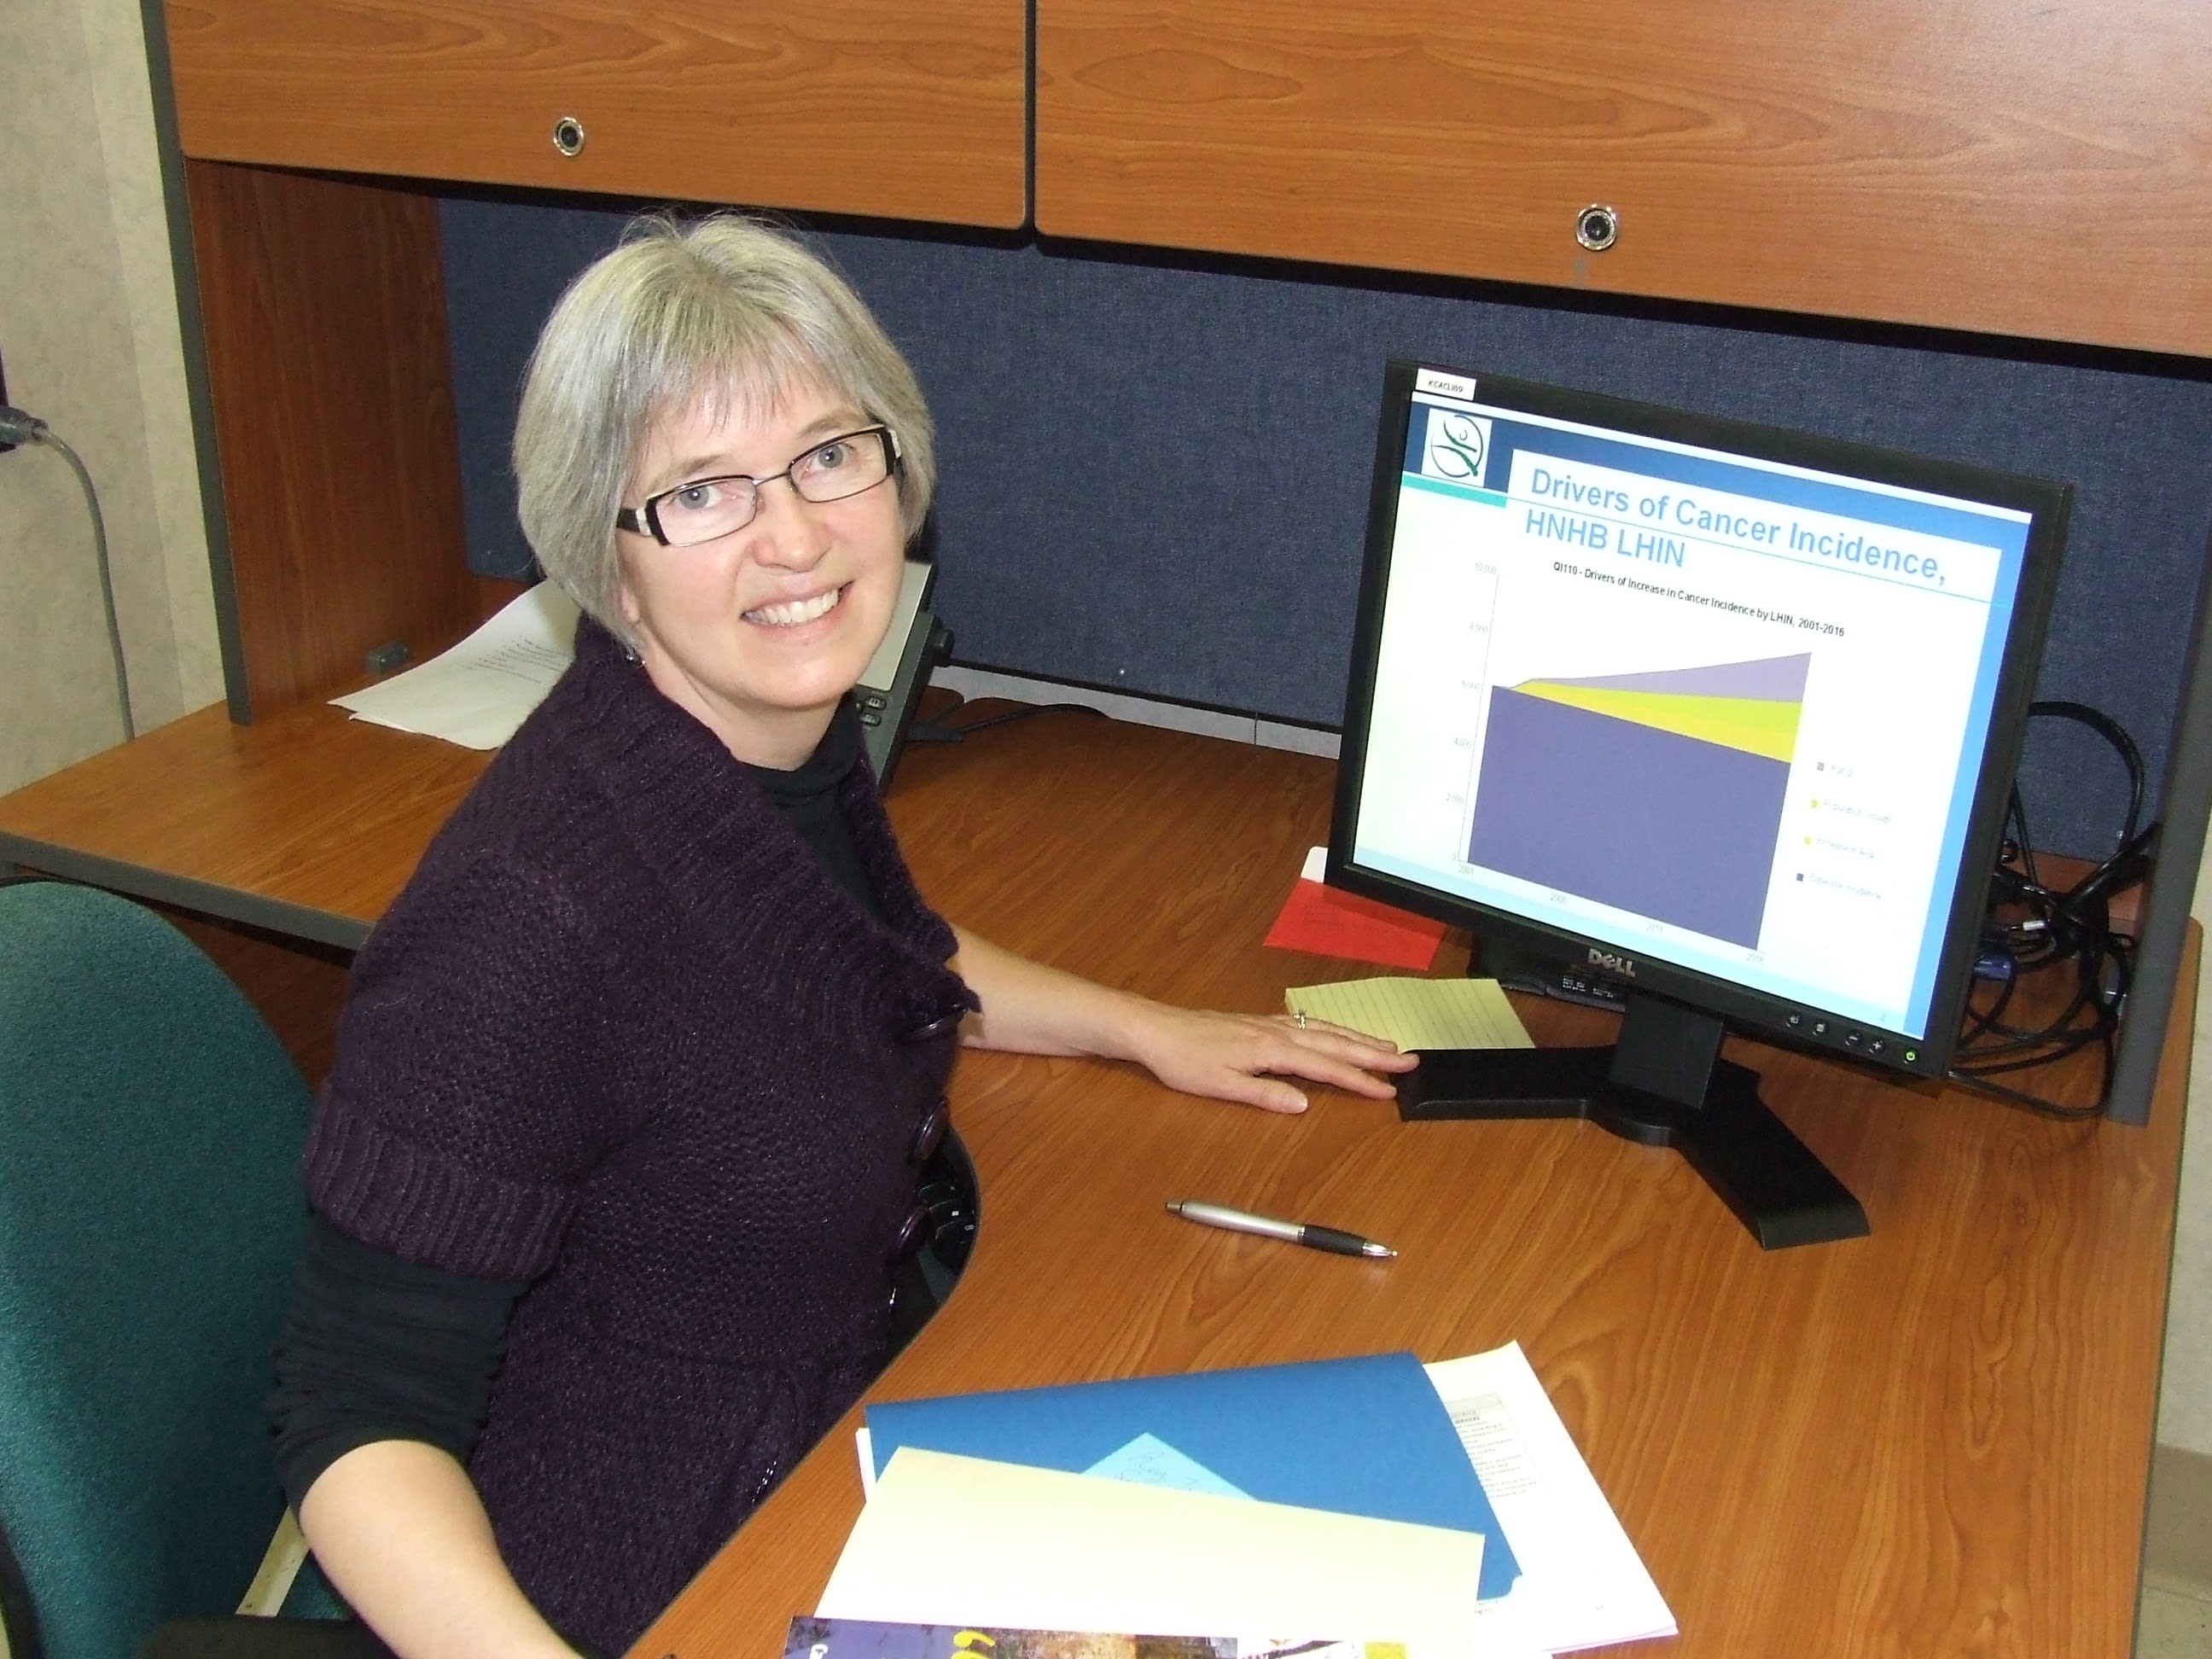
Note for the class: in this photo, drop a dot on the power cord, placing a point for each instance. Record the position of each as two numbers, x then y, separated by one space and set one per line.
944 729
17 427
2035 928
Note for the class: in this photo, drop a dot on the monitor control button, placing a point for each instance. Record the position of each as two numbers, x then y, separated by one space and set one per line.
1820 1028
1795 1020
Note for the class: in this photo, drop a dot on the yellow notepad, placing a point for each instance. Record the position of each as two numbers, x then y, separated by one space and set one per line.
1417 1013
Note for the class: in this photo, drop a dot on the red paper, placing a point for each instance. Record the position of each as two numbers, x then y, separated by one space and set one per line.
1330 923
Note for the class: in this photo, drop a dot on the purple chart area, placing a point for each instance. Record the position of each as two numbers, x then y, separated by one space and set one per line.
1780 679
1635 816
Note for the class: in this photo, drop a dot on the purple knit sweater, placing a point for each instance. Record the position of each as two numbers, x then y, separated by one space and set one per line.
623 1034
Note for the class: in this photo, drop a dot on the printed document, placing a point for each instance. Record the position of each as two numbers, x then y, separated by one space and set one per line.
476 694
1582 1584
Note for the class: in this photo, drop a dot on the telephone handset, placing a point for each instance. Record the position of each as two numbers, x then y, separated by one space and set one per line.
892 683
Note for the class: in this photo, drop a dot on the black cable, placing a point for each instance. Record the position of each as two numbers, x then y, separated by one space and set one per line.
1023 712
944 730
2111 730
17 427
2070 927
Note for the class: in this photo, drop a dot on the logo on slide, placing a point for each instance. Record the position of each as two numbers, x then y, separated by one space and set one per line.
1457 446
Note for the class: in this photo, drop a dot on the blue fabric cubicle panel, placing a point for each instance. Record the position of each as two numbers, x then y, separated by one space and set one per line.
1154 470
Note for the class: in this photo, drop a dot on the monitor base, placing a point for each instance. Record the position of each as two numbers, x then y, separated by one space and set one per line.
1663 1085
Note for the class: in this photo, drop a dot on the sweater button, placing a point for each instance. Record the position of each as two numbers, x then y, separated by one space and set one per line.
930 1134
911 1232
944 1025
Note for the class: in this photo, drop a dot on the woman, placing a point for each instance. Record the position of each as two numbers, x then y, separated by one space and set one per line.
618 1155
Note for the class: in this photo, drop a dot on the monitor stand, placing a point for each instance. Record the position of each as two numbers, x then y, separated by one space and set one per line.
1664 1083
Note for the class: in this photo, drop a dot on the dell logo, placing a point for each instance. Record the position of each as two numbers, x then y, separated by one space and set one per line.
1605 962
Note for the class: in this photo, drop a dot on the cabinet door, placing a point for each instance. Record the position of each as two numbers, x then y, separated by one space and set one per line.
2036 169
869 107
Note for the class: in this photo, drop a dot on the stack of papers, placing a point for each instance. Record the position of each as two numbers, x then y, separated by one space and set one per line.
949 1539
1325 1502
1582 1584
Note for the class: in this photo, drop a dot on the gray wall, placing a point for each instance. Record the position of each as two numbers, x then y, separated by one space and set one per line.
91 342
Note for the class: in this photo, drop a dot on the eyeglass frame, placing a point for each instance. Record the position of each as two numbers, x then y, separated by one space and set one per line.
644 519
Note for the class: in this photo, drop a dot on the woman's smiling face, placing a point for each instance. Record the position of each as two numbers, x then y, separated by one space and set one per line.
759 632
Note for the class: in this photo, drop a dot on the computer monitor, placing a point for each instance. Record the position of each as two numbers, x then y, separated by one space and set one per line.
1723 715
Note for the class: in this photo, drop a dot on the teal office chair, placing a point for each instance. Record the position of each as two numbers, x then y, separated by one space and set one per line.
150 1223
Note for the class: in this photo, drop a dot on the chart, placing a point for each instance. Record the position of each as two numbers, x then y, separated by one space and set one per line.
1660 793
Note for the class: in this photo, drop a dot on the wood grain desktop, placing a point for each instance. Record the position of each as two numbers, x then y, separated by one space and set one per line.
1933 1440
307 823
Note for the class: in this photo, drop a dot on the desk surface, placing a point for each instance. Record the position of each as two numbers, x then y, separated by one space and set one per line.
307 823
1935 1440
1930 1441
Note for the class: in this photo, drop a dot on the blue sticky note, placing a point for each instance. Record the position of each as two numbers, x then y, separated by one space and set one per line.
1149 1460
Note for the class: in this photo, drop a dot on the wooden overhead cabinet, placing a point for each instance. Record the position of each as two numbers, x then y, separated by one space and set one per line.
871 106
2043 171
316 134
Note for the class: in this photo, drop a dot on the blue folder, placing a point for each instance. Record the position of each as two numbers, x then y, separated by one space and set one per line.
1366 1436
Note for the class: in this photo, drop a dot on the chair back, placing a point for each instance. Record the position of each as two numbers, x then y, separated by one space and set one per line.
151 1218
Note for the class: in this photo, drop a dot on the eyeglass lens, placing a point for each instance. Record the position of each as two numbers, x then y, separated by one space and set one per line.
707 508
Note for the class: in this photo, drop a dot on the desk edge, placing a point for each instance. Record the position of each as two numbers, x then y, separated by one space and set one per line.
185 892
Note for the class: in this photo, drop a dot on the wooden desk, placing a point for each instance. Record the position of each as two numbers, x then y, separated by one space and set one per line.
1931 1441
307 823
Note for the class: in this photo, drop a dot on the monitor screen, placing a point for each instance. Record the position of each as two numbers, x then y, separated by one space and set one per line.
1719 711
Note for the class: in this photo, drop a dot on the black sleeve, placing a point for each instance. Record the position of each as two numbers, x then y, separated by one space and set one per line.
377 1347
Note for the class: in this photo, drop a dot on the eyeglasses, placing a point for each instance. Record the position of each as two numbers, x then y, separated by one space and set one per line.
706 508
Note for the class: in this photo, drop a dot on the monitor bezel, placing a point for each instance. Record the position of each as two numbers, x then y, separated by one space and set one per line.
2048 504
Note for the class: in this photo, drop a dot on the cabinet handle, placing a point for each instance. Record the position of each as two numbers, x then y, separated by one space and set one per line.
568 135
1597 226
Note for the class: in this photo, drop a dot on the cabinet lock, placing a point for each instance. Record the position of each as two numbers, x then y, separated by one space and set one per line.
568 135
1597 228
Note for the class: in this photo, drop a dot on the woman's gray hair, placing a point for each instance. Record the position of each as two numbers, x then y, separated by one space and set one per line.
723 311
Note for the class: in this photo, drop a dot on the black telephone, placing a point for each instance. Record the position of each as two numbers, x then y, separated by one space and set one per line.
892 683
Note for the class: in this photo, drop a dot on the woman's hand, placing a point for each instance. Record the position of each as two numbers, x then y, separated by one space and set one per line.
1245 1057
1031 1009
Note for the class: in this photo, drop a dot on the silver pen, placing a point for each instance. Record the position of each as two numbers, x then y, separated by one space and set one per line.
1290 1232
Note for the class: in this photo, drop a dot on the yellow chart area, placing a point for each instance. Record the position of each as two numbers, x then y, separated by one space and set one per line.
1758 726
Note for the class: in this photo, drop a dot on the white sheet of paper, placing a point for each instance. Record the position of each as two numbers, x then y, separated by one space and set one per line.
476 694
865 1445
1582 1584
949 1539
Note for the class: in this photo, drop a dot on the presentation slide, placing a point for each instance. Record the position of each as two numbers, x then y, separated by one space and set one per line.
1719 712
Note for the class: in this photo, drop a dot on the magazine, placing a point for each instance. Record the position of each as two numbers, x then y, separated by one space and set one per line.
854 1638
